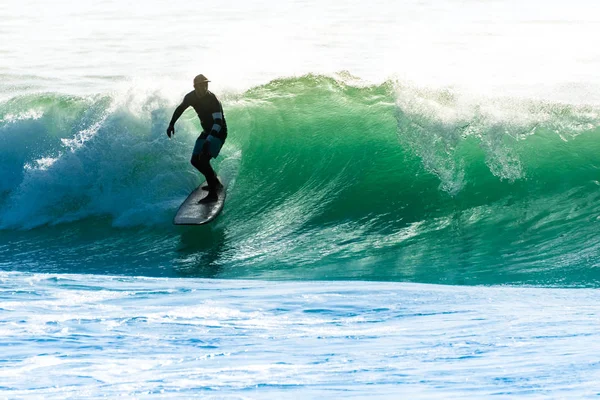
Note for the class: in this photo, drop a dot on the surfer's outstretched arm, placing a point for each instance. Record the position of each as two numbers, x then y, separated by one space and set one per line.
176 114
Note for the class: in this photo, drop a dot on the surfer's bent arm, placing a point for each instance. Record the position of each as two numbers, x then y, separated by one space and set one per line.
216 111
217 124
177 113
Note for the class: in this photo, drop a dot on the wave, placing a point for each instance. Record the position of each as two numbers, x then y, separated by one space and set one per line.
326 171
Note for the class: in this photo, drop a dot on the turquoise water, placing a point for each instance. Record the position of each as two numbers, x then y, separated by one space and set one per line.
326 180
440 151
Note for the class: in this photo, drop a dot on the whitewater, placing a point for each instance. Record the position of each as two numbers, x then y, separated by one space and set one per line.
412 200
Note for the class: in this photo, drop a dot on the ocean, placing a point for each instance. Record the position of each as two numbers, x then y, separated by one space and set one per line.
412 200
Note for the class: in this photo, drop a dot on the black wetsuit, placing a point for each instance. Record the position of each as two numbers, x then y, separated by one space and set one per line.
210 112
212 119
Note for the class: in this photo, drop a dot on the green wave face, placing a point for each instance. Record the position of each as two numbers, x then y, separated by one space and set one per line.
329 179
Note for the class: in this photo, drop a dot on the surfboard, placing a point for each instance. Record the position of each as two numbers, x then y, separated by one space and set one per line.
191 212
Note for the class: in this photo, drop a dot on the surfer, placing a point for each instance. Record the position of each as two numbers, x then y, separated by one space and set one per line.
214 132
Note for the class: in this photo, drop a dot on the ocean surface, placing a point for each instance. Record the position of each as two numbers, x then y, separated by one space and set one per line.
413 200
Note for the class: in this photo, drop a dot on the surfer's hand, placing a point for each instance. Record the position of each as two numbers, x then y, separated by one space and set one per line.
170 131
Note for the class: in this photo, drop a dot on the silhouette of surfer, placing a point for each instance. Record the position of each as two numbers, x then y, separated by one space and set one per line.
214 132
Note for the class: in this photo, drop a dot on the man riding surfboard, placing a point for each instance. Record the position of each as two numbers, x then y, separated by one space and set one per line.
214 132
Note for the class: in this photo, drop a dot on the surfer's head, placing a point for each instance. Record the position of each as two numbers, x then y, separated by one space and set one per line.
201 85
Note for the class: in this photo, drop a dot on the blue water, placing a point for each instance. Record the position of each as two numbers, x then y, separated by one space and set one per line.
412 200
78 336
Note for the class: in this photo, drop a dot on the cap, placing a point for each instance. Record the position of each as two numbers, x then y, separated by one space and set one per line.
200 79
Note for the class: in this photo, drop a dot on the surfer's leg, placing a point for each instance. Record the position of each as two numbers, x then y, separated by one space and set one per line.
211 179
198 147
208 172
198 154
202 163
201 159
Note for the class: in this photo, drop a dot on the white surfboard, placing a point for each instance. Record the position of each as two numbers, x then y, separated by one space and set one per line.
191 212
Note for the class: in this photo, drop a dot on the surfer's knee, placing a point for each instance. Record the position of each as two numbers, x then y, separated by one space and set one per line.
200 162
195 160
